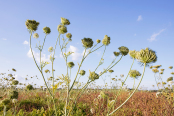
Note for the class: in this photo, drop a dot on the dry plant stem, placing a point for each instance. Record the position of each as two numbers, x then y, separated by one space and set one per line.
41 73
156 81
4 110
121 87
131 94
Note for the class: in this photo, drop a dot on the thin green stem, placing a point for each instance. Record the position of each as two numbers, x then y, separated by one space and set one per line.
132 93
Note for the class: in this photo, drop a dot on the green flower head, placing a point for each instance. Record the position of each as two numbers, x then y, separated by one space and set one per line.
134 73
164 83
31 25
106 40
172 73
69 35
110 71
50 49
162 69
116 53
170 67
87 42
170 79
15 82
98 41
155 70
62 29
82 72
70 64
35 35
93 76
13 94
157 66
146 56
132 53
29 87
123 50
47 30
65 21
5 101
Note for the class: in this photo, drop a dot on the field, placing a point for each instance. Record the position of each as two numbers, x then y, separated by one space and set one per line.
37 103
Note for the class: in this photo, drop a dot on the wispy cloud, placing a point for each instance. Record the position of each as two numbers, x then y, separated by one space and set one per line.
25 42
139 18
37 56
153 37
4 39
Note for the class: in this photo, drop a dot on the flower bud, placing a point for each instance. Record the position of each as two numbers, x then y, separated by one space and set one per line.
13 94
87 42
70 64
29 87
123 50
106 40
15 82
98 41
116 53
47 30
134 73
110 71
146 56
14 69
69 35
155 70
10 75
170 79
157 66
82 72
162 69
62 29
93 76
35 35
50 49
172 73
46 71
5 101
31 25
132 53
65 21
170 67
161 73
163 83
151 67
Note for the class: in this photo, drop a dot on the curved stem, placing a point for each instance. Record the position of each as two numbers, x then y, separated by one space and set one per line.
132 93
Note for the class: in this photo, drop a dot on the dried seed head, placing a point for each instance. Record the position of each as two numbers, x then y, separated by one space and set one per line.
93 76
62 29
15 82
110 71
47 30
172 73
134 73
170 67
50 49
31 25
155 70
29 87
146 56
116 53
162 69
46 71
87 42
14 69
157 66
5 101
65 21
70 64
69 35
35 35
132 53
82 72
98 41
123 50
106 40
170 79
13 94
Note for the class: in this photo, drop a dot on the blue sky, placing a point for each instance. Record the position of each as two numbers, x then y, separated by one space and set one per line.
134 24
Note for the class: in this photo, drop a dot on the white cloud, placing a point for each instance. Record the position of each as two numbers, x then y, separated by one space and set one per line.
139 18
153 37
4 38
25 42
37 56
75 55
